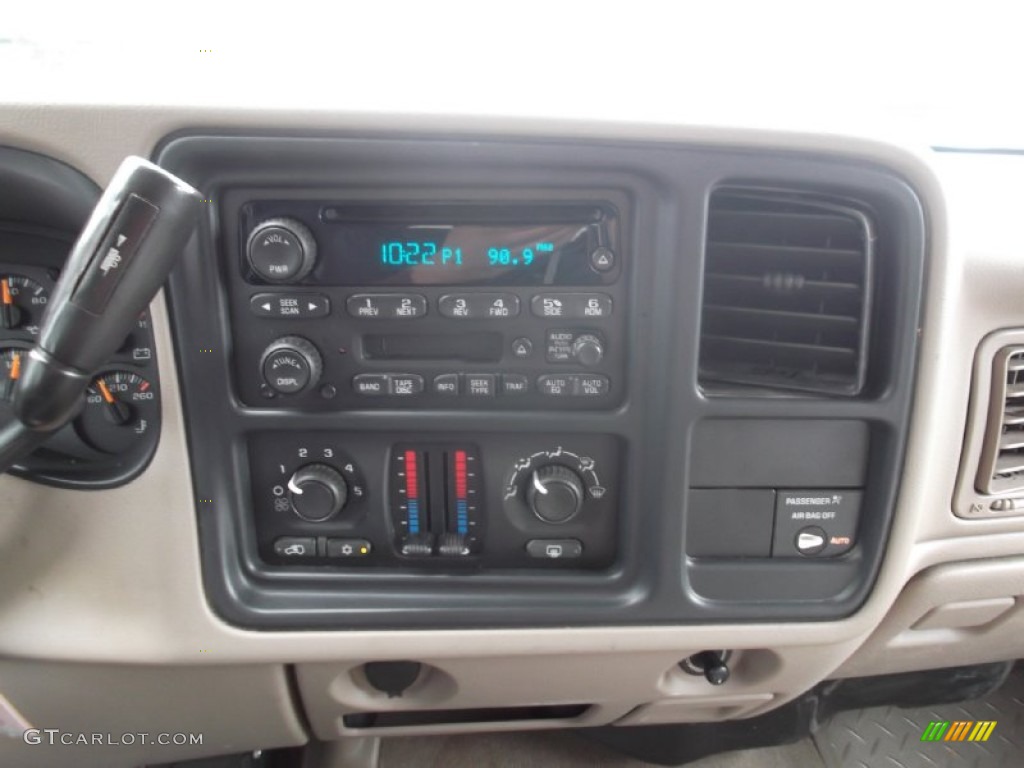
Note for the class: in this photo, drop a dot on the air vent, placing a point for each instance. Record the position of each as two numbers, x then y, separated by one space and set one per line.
786 292
1002 455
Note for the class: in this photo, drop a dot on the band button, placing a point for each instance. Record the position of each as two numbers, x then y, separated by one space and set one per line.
370 384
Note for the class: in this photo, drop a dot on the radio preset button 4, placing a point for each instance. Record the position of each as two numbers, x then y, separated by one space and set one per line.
386 306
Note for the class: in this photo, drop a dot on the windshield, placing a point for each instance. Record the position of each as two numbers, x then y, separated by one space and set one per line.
946 74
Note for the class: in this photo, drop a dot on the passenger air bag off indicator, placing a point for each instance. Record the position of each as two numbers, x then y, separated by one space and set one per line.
816 522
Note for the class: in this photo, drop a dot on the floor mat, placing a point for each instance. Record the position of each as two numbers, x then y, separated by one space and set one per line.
555 749
891 737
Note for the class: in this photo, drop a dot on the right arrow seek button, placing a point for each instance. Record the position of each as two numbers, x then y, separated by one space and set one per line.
815 522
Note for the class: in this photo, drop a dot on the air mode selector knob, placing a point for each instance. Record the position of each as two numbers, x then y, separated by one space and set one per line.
291 365
588 350
281 250
317 492
555 494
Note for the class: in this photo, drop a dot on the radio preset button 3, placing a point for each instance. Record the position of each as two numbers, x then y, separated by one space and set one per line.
386 306
479 306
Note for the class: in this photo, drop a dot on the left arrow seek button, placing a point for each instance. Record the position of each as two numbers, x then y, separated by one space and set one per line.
299 306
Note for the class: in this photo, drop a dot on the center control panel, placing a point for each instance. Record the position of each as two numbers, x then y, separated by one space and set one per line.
350 306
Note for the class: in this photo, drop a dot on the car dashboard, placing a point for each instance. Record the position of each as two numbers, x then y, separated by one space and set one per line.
511 424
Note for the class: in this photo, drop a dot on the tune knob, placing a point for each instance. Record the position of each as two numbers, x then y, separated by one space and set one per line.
555 494
588 350
318 492
281 250
291 364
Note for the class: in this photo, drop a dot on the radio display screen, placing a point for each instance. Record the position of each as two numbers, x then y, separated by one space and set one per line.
360 245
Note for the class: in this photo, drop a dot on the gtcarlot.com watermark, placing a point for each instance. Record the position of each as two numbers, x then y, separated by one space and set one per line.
54 736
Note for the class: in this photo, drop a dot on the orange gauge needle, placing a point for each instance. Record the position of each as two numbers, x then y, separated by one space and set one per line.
15 366
8 310
102 386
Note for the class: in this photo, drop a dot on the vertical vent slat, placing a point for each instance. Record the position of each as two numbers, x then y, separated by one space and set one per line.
787 280
1002 456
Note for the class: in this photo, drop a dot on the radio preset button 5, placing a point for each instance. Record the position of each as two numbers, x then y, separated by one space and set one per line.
386 306
572 306
290 305
479 306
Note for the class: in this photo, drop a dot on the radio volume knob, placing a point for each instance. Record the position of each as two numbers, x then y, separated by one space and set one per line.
555 494
291 365
317 492
281 250
588 350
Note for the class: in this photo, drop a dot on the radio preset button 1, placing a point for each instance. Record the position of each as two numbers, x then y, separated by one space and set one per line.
480 384
386 306
446 384
404 384
290 305
479 306
370 384
572 306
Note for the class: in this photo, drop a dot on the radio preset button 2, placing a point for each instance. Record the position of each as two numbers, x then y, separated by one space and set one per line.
479 306
572 306
386 306
290 305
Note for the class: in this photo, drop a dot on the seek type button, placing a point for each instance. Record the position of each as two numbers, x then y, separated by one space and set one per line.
480 384
815 523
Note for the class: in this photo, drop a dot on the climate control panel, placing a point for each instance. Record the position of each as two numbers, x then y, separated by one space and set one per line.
495 501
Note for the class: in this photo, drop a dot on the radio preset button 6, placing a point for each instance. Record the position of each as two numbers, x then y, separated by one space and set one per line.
290 305
386 306
479 306
572 306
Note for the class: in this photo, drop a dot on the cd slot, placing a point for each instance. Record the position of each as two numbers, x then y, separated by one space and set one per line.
474 347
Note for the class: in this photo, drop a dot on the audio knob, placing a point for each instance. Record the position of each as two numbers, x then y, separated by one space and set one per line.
555 494
291 364
588 350
281 250
318 492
